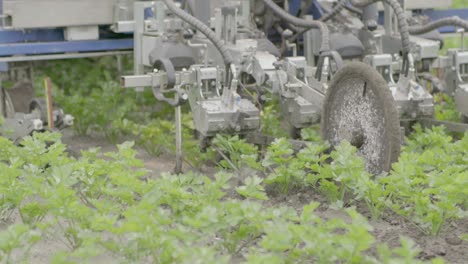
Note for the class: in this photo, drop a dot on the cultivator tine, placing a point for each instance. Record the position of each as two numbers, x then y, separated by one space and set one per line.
178 135
451 126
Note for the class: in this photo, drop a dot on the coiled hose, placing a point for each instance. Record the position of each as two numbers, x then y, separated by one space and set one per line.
353 9
336 10
414 30
325 45
449 21
205 30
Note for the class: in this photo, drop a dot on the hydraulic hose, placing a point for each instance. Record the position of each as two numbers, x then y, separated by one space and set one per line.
401 19
449 21
325 46
205 30
353 10
336 10
402 23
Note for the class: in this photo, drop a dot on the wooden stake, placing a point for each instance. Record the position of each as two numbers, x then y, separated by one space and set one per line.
48 96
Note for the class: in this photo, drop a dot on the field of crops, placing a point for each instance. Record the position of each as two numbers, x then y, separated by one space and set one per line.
63 200
103 191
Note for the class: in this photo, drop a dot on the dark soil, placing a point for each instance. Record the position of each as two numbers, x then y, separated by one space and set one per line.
388 229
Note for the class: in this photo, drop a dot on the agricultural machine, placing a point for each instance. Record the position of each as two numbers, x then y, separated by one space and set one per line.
360 68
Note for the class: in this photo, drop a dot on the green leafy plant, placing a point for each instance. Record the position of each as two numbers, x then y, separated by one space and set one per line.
286 174
313 239
14 237
271 123
253 188
445 108
236 152
311 134
158 137
407 252
429 183
105 205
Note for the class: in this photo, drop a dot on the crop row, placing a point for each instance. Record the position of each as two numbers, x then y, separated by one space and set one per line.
107 206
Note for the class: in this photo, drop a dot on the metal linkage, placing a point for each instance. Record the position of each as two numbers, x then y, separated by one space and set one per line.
215 108
454 67
191 67
406 62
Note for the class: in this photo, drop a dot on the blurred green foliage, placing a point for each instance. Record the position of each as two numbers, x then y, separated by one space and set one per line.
460 3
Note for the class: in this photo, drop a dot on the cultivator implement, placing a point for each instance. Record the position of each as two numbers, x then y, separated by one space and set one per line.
363 82
361 102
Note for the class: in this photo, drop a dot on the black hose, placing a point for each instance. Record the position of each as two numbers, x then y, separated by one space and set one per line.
414 30
298 34
204 29
353 9
325 46
401 19
449 21
336 10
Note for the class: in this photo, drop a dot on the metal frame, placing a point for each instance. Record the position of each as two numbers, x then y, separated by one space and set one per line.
425 7
63 13
41 48
5 60
50 43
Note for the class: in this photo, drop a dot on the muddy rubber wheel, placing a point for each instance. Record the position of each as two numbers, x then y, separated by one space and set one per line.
294 132
464 119
39 105
21 95
359 108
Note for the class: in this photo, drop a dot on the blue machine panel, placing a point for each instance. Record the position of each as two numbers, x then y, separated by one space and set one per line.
294 6
438 14
32 35
51 41
315 10
10 49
